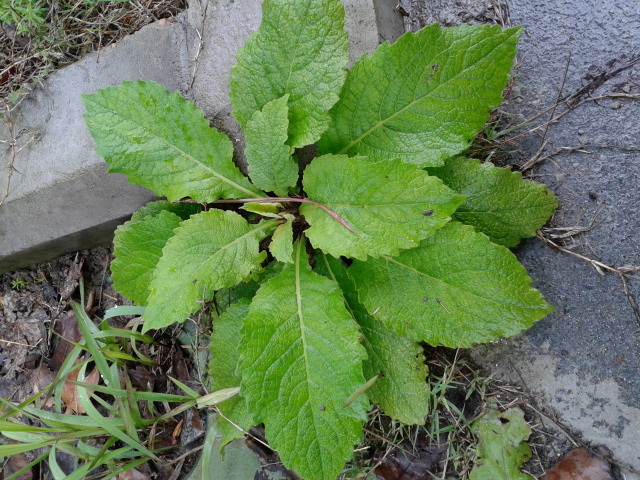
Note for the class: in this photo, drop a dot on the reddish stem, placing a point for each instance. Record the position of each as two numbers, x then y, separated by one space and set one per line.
333 214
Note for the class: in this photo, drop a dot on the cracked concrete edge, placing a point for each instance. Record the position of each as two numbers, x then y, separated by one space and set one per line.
574 398
61 198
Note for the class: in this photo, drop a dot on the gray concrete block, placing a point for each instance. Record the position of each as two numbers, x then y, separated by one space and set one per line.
61 198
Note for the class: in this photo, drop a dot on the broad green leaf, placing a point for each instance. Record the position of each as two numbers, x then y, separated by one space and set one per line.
225 345
281 246
300 49
210 251
151 209
390 205
271 166
402 392
246 290
138 246
456 289
500 203
300 361
424 97
162 142
502 449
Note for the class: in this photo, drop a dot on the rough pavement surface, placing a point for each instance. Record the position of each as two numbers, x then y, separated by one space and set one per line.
584 359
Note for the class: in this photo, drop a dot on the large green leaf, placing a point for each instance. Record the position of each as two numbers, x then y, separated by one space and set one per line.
300 49
402 391
300 361
271 166
456 289
210 251
225 345
500 203
138 246
424 97
162 142
390 205
502 448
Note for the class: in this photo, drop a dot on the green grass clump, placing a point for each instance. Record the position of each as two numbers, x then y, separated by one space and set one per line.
106 434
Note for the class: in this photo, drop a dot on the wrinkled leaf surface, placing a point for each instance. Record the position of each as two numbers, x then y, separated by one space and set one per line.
300 361
456 289
500 203
423 98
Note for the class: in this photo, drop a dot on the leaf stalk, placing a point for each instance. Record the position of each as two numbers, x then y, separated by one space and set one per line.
331 213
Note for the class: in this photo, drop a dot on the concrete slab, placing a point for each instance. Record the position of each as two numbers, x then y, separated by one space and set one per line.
59 166
60 189
584 359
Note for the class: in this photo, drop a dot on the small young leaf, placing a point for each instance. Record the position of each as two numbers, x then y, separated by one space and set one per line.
225 345
269 210
456 289
300 361
300 49
271 166
500 203
281 246
424 97
138 246
162 142
211 250
390 205
402 392
502 450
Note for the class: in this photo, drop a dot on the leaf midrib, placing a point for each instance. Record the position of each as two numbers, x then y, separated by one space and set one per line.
251 232
189 156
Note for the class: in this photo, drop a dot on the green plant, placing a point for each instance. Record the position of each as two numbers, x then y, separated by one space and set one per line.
26 16
104 431
502 446
18 284
409 238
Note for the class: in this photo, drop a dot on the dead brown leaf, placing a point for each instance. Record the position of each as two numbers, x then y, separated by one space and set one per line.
70 281
177 431
133 474
15 463
67 328
70 391
142 379
409 464
41 377
580 464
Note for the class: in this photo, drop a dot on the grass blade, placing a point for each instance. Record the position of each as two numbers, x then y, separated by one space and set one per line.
184 388
105 423
13 449
88 330
118 311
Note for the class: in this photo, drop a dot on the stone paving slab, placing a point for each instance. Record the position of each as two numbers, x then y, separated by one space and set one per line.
61 198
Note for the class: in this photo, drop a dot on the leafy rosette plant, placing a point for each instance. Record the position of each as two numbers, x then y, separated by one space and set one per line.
388 238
